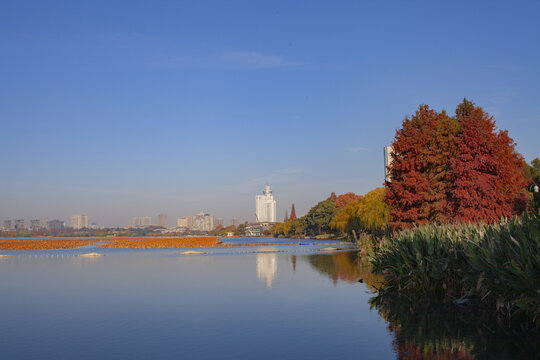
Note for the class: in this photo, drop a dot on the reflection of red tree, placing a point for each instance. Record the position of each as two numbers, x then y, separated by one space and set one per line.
410 350
347 267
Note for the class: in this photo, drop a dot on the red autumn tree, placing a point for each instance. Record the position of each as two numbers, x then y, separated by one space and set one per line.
345 199
332 197
416 170
454 169
487 176
442 148
293 213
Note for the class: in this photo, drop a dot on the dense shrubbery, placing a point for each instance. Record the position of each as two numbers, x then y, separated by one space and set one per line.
497 266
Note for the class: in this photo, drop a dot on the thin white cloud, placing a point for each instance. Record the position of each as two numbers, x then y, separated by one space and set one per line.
251 60
234 60
124 37
357 149
290 171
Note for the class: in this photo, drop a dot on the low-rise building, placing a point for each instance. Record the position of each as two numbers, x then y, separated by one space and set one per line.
78 222
8 225
258 229
141 222
55 224
35 225
162 220
20 224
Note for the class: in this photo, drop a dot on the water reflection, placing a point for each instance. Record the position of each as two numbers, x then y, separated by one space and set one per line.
346 266
441 332
423 331
266 268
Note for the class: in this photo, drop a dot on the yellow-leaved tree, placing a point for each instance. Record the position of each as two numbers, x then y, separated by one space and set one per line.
368 214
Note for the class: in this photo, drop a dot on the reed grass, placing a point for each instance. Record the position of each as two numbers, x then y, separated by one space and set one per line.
495 267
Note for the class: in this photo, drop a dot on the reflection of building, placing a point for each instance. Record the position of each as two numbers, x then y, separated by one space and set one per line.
265 206
266 268
162 220
387 161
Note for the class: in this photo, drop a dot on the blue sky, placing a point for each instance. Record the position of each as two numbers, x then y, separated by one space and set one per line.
118 109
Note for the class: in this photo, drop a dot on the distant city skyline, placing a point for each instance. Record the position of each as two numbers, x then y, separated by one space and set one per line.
119 111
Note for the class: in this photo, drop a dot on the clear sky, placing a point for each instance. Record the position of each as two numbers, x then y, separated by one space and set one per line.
118 109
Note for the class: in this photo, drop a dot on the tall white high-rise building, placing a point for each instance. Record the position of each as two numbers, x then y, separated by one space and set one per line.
182 221
144 221
265 206
199 222
387 161
162 220
203 222
78 222
84 221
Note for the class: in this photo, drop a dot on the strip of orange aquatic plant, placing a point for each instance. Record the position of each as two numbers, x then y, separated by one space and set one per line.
130 243
163 243
45 244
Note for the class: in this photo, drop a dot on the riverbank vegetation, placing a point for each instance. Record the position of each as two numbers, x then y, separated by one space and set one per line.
439 230
453 183
493 267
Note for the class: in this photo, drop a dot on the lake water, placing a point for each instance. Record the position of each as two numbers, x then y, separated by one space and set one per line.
229 304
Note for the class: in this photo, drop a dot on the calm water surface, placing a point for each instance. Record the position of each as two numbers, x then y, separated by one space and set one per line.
230 303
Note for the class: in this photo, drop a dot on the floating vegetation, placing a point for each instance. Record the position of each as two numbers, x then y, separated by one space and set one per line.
191 252
328 249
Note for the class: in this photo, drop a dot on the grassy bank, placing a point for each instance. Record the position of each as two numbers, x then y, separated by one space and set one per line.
495 268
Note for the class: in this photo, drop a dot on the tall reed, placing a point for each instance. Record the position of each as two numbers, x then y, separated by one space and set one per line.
496 266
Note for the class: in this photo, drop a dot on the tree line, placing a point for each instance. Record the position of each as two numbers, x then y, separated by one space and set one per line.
444 169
